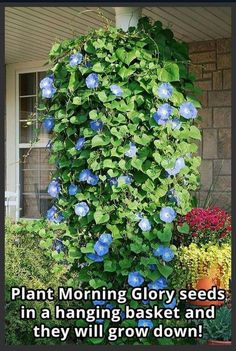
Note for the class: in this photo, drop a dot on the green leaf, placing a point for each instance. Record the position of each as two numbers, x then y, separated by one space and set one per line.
101 217
169 72
109 266
164 269
98 67
99 140
88 248
184 228
195 133
77 100
165 235
102 96
125 56
97 283
72 82
57 146
125 72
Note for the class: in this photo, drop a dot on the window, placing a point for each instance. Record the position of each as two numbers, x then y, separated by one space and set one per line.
34 168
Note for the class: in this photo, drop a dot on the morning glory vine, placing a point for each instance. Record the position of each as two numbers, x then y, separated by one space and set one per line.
123 126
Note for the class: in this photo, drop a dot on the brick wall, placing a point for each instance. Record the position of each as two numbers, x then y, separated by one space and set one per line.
211 63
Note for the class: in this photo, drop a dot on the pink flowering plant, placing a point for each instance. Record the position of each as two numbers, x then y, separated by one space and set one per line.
203 226
122 112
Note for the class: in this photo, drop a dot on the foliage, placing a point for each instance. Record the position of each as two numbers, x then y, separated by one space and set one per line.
120 148
26 264
219 328
202 226
194 262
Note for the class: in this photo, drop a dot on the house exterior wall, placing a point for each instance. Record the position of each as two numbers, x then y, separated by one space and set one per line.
211 63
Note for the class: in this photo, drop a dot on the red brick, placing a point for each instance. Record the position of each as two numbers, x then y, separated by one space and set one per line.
209 143
224 45
196 70
222 117
200 46
227 79
206 117
204 84
224 143
219 98
203 57
217 80
209 67
223 61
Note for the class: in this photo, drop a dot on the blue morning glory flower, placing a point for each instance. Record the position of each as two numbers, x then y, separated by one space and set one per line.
145 323
163 113
81 209
110 306
113 181
54 188
125 179
135 279
172 171
84 174
92 179
160 121
188 110
96 125
145 302
48 123
171 194
122 314
158 251
152 266
100 248
46 82
87 176
167 254
116 90
175 123
167 214
99 302
92 81
106 238
145 225
158 284
171 305
88 64
58 245
165 90
53 215
73 189
94 257
132 150
51 212
48 92
58 218
80 143
99 321
139 216
75 59
179 163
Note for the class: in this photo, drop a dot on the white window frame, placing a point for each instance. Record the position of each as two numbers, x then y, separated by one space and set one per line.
13 144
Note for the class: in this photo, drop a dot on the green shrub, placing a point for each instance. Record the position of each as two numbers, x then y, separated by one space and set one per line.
26 264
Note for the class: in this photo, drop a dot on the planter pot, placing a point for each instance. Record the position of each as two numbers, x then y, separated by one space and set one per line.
220 343
207 283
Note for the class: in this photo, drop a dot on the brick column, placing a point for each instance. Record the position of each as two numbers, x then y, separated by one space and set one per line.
212 68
